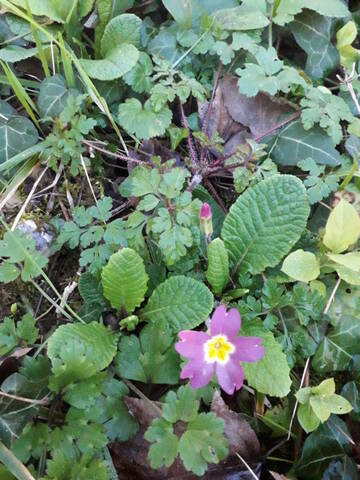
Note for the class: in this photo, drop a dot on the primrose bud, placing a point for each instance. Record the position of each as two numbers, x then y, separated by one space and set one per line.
206 220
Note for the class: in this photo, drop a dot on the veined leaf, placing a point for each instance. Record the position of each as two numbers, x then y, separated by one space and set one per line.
99 342
294 144
17 133
313 32
124 280
181 302
53 96
241 18
338 348
264 223
217 273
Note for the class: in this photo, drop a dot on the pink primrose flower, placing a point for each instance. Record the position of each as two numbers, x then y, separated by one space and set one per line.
219 351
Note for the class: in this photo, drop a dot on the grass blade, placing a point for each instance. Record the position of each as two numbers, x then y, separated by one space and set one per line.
13 464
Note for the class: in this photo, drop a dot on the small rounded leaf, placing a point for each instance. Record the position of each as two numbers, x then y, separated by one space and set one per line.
301 266
342 228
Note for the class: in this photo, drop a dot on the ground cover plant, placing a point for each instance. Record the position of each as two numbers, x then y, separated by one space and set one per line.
179 250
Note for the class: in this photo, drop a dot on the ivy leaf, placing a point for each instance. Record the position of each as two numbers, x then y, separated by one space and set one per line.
53 96
321 447
118 61
124 280
149 358
264 223
217 273
165 443
17 133
313 33
302 266
262 375
342 228
180 302
143 121
321 106
294 144
337 349
202 443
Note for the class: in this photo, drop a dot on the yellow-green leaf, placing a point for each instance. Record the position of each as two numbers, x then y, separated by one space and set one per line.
302 266
342 228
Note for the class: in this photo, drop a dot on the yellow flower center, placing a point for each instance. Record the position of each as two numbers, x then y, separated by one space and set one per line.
218 349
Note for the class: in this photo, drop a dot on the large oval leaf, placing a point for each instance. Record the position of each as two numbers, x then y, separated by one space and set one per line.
181 302
99 342
117 62
265 222
124 280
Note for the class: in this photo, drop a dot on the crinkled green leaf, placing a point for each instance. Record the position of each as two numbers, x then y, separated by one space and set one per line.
180 302
124 280
217 273
264 223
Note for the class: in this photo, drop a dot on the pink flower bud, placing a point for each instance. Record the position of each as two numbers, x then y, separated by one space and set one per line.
205 221
205 211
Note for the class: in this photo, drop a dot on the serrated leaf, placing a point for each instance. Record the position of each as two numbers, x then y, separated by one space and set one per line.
165 449
149 358
139 76
117 62
98 341
53 96
182 405
17 133
264 223
313 33
295 144
339 346
143 121
124 280
202 443
180 302
302 266
123 29
342 228
217 273
263 375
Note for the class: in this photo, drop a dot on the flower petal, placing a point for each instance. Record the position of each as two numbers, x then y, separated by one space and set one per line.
191 345
199 372
224 322
248 349
230 376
